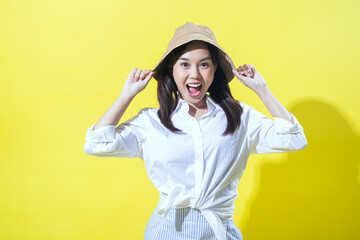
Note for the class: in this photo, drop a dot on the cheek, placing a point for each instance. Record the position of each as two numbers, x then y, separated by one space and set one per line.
178 81
179 77
175 71
209 77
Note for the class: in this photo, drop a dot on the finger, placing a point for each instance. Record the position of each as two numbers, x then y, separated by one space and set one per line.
239 76
237 70
133 71
137 75
242 70
143 74
147 72
248 71
253 70
147 79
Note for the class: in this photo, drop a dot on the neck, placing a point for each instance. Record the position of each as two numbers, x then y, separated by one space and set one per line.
199 109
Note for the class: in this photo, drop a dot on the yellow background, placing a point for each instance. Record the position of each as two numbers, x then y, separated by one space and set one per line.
63 63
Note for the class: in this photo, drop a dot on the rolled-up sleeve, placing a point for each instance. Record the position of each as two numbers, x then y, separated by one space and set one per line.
124 140
271 136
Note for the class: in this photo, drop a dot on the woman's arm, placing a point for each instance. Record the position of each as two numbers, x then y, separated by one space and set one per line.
284 134
273 105
253 80
135 83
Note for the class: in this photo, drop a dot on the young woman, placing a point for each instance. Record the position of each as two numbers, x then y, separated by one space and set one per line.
196 145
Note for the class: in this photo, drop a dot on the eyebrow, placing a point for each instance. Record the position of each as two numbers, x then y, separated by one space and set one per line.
206 58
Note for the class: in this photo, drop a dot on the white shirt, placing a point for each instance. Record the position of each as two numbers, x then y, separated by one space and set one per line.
199 167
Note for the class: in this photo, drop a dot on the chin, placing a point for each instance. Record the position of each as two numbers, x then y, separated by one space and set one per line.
193 100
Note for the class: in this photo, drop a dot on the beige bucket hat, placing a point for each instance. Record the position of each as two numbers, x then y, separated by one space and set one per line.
191 31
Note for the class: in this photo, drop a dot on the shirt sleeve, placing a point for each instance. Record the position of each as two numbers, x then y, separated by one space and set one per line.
125 140
271 136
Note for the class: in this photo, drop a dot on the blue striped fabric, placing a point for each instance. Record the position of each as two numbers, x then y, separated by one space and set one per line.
186 224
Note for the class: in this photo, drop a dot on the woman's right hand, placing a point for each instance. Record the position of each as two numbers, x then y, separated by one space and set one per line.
136 81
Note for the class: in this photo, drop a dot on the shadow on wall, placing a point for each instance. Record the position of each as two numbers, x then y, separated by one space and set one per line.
315 193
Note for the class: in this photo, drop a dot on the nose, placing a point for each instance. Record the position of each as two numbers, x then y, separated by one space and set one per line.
194 72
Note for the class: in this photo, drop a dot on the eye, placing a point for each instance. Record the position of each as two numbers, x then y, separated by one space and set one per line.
205 64
184 64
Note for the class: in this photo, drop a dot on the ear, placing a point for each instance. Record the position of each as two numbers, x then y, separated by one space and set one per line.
170 69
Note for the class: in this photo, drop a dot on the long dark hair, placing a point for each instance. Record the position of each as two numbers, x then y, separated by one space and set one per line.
219 91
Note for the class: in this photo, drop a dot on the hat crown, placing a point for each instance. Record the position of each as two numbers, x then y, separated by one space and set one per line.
189 31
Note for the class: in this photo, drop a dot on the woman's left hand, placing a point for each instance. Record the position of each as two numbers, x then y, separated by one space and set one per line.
251 78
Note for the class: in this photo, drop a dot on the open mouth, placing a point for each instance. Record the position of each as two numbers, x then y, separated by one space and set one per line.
194 89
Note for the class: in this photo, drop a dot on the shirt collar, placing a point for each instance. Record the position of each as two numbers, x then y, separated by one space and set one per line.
211 104
182 106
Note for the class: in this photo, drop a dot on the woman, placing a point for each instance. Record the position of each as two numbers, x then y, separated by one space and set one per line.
196 145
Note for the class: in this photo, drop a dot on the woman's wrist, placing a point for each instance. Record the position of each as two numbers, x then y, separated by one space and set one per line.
126 96
263 92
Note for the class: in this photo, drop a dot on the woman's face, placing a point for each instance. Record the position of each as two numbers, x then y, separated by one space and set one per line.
193 73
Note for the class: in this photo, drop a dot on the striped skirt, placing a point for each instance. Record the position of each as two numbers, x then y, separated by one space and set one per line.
186 224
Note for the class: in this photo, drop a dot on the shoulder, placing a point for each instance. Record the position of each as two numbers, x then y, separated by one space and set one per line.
148 112
253 117
148 115
149 119
140 123
246 108
141 118
249 113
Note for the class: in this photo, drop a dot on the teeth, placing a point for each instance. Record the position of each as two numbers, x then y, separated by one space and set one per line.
194 85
